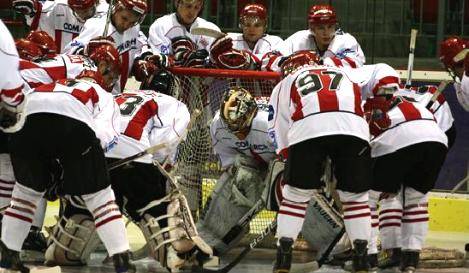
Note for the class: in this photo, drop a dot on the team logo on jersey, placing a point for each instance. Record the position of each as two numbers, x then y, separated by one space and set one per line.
246 144
271 113
164 49
72 28
129 44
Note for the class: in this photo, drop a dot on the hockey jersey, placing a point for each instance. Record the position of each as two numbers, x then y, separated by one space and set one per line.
58 20
256 145
265 44
149 118
462 91
314 102
52 69
81 100
411 123
128 44
165 28
344 47
11 84
440 108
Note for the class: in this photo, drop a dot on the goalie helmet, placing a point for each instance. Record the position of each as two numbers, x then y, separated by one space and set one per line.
45 42
255 12
322 14
140 7
238 109
298 60
449 51
28 50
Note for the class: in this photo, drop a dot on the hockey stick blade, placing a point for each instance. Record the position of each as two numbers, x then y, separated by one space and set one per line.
55 269
269 229
151 150
207 32
440 89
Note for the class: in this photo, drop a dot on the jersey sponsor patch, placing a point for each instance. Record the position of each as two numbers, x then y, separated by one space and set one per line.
164 49
271 113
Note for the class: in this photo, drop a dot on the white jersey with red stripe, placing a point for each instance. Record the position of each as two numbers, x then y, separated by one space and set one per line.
315 101
256 145
344 47
149 118
371 77
11 84
440 108
411 123
52 69
58 20
128 44
462 91
267 43
165 28
81 100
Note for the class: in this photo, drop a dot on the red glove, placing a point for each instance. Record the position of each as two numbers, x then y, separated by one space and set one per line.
376 115
220 46
143 69
233 59
26 7
161 60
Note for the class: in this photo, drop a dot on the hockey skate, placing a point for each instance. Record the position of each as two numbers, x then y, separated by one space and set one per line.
373 263
392 259
360 257
34 246
409 261
10 261
284 256
122 263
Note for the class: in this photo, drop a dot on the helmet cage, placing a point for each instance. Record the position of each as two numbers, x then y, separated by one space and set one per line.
238 109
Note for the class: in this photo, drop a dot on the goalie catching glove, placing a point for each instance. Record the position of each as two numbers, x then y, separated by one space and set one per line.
222 55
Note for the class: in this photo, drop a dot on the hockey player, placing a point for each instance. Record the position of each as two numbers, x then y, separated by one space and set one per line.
47 70
324 37
170 34
62 19
406 139
122 29
316 112
27 50
245 50
44 41
239 138
453 55
82 121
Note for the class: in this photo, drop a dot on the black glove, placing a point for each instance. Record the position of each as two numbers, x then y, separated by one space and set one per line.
26 7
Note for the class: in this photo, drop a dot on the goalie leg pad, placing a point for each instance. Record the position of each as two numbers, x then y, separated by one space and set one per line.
72 240
236 192
322 224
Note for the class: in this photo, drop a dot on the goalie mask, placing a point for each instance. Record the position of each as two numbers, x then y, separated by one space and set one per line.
452 53
298 60
238 109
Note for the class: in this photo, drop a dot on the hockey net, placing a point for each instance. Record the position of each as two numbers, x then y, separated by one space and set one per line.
197 167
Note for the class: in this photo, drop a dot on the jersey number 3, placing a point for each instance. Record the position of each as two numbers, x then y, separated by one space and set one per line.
314 81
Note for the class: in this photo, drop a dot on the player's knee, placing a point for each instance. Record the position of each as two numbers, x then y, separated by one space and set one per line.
296 194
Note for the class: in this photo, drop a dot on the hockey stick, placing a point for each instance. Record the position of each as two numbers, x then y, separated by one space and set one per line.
207 32
151 150
270 228
108 18
410 65
437 93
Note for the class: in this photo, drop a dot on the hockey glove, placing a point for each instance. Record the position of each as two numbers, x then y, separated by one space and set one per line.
196 58
26 7
143 69
160 60
11 118
182 47
221 46
233 59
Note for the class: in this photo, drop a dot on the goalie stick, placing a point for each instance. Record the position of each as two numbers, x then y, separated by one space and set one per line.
207 32
410 65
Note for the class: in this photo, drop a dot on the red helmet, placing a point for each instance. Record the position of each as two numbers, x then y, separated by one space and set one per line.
81 4
28 50
299 59
257 11
44 41
95 75
106 53
138 6
322 14
449 50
